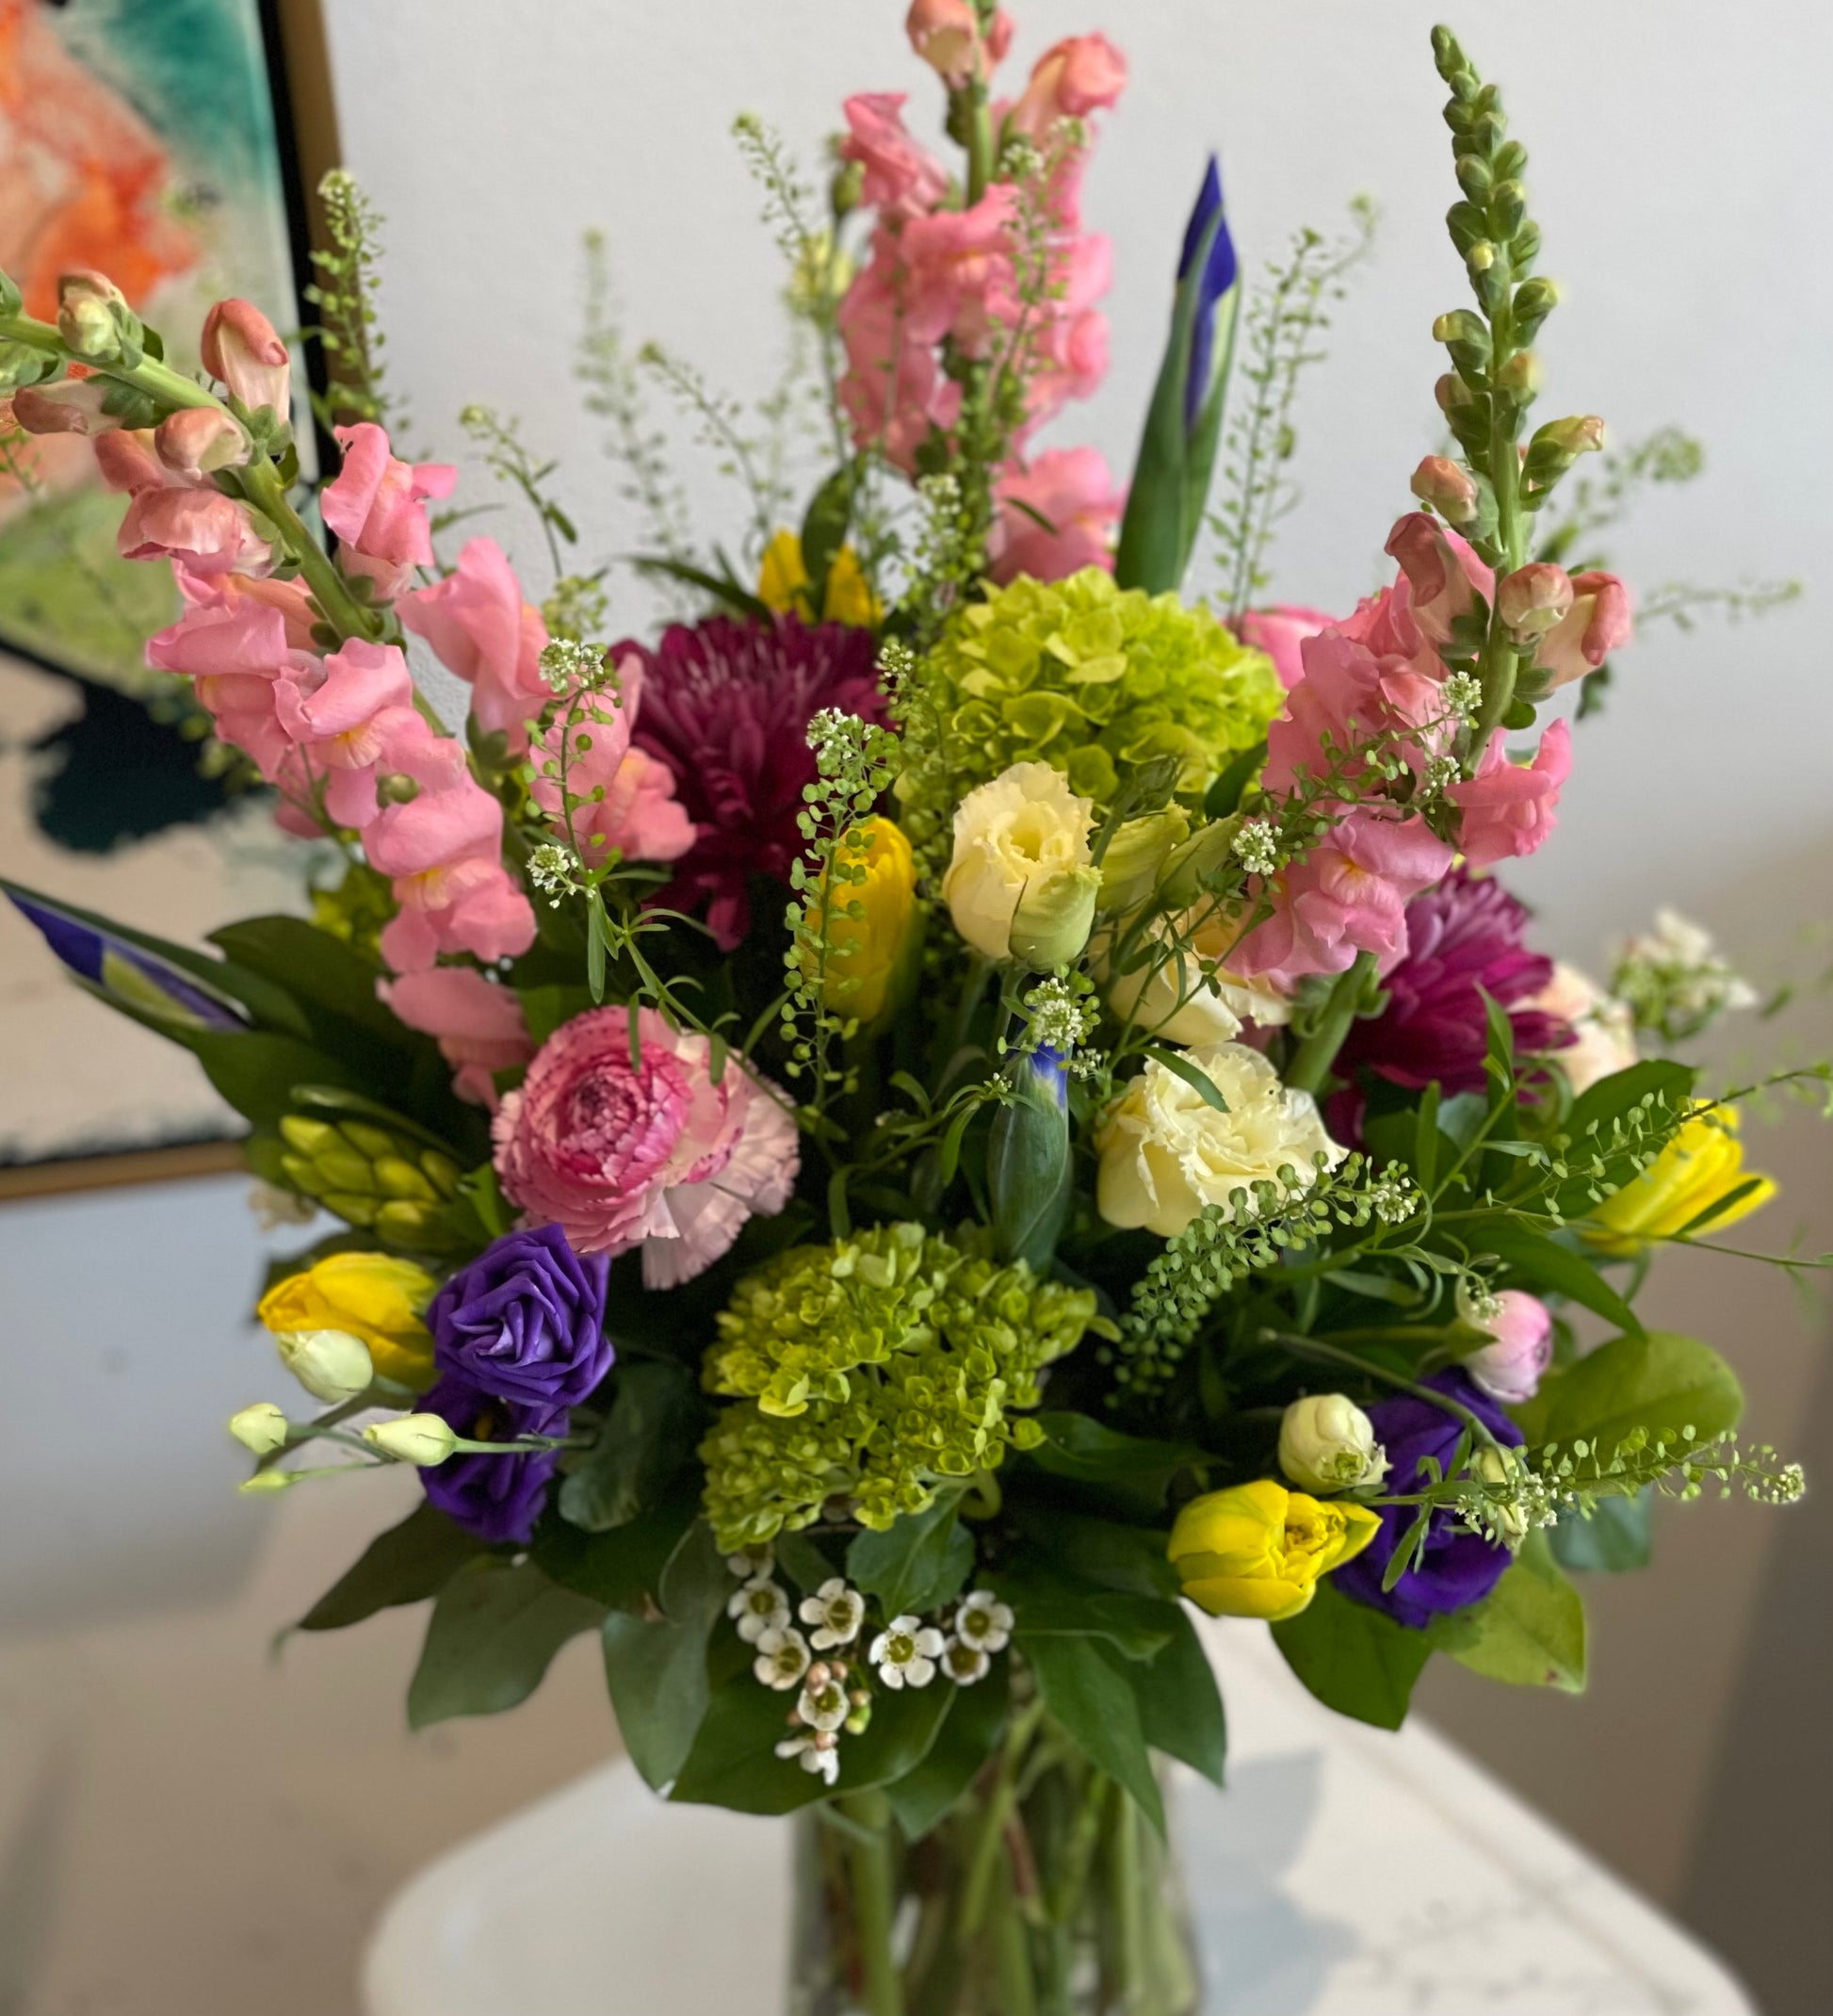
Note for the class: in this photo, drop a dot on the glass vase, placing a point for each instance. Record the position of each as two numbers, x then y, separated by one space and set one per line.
1042 1892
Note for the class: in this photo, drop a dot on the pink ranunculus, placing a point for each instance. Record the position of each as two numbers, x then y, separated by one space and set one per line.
637 813
1071 489
621 1138
900 179
375 504
1510 808
1348 895
1279 632
1442 571
1599 623
242 350
480 1026
893 390
483 631
1510 1369
1081 74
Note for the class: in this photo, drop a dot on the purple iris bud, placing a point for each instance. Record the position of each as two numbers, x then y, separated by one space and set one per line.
1456 1567
497 1498
1219 274
526 1320
128 974
1050 1074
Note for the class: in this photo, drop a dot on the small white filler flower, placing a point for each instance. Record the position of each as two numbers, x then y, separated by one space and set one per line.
906 1652
835 1611
782 1658
759 1606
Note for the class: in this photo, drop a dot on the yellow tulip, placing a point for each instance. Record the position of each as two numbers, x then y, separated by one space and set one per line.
369 1295
783 583
1702 1163
867 954
1258 1550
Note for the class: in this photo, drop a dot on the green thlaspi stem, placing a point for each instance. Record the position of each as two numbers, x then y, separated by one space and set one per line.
1311 1064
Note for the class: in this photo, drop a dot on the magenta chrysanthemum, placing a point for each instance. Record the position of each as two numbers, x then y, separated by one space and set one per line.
726 706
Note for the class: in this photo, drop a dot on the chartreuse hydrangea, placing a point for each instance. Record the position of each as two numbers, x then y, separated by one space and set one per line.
871 1368
1082 675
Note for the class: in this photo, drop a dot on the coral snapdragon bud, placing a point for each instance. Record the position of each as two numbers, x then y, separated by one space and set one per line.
242 350
947 35
1449 489
425 1440
88 309
74 406
260 1428
199 440
1533 600
1578 434
331 1365
1327 1443
1521 376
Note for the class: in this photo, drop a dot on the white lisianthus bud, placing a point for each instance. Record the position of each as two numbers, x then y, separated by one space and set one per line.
1021 871
260 1428
1135 856
426 1439
331 1365
1326 1443
265 1483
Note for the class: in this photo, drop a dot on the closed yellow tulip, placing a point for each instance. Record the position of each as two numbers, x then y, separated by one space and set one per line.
1702 1163
867 954
783 583
369 1295
1258 1549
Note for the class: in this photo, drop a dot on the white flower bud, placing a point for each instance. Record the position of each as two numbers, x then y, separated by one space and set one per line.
331 1365
260 1428
1326 1443
426 1439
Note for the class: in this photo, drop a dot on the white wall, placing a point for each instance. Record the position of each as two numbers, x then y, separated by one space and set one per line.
1676 149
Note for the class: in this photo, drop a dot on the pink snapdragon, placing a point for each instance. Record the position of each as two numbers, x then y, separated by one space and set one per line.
947 35
899 178
376 506
1444 576
169 516
1510 1369
1072 491
894 390
242 350
1510 808
1348 895
1082 73
482 630
480 1026
1280 632
630 803
242 643
1598 623
438 836
621 1137
341 719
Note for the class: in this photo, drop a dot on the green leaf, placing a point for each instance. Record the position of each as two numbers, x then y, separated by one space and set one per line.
967 1738
1530 1632
405 1565
918 1562
802 1562
546 1008
1224 795
1132 1559
1134 1468
1543 1263
1050 1605
1200 1082
1180 1705
824 532
722 587
1426 1139
1353 1658
1603 1102
639 1449
1098 1709
1655 1381
495 1628
257 1072
656 1671
320 972
1619 1534
621 1569
1501 1040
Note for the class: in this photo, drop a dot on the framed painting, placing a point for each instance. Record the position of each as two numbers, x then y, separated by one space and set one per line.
167 143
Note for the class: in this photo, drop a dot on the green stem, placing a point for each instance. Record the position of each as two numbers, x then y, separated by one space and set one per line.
267 494
1499 661
1123 1872
869 1853
1316 1348
158 380
1311 1065
978 124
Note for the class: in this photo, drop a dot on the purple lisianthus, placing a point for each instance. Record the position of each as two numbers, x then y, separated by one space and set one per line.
497 1498
726 706
526 1320
1465 935
1455 1567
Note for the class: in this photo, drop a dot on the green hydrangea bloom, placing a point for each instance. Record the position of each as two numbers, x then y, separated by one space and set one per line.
1089 677
871 1368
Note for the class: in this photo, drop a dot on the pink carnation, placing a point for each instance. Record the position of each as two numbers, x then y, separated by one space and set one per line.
635 810
622 1139
1348 895
480 1026
1279 632
1071 491
899 180
375 506
485 633
1510 1369
1510 808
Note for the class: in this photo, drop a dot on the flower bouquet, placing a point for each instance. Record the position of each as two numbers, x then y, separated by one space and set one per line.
963 1097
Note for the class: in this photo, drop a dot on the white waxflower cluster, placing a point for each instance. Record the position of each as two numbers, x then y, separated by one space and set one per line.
1674 981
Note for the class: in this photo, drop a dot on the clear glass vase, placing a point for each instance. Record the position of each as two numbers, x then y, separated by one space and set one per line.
1042 1892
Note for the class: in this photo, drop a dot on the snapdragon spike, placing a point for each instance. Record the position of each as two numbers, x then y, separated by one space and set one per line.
128 975
1183 426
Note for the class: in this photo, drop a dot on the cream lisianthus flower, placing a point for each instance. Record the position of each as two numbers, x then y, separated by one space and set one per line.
1166 1153
1196 999
1020 885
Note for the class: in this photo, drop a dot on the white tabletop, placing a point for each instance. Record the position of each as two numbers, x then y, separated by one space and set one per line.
1345 1872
